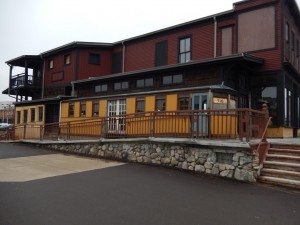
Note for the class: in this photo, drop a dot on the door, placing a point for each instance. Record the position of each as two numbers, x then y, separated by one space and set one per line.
200 120
115 110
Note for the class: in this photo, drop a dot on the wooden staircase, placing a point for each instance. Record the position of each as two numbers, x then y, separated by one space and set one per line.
282 166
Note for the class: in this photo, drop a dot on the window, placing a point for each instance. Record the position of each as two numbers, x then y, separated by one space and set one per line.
287 33
226 45
144 83
95 108
293 41
117 62
256 29
32 115
121 85
94 58
140 105
160 103
40 109
25 116
172 79
71 109
287 107
297 49
67 59
161 53
183 102
51 64
82 109
101 88
18 117
184 50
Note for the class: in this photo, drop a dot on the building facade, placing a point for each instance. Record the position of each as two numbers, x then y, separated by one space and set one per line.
240 58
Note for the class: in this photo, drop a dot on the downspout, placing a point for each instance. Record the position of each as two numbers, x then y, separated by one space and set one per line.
43 79
73 89
215 36
59 117
123 60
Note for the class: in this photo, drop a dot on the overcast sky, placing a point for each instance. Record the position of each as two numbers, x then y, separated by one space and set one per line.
30 27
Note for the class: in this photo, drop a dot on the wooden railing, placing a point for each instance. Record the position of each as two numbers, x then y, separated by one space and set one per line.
243 124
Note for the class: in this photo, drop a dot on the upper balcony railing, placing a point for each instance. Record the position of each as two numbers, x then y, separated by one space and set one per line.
21 80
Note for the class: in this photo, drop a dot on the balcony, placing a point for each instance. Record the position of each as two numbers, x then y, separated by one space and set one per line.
20 80
27 84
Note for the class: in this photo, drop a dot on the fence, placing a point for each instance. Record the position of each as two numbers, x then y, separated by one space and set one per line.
243 124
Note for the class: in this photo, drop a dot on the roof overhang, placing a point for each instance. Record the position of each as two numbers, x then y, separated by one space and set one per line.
32 61
242 57
43 101
74 45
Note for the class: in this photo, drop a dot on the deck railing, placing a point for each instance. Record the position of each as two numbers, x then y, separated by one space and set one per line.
21 80
243 124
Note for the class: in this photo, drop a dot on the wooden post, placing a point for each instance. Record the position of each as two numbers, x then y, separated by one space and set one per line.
266 116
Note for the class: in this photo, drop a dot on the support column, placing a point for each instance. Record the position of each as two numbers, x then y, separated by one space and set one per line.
26 73
10 77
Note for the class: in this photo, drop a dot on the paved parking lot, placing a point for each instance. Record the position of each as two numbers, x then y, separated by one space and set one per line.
41 187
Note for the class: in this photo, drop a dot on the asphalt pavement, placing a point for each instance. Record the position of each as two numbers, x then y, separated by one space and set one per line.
63 190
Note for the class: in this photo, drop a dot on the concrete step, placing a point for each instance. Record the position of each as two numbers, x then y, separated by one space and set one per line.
282 166
284 151
280 181
283 158
285 146
281 174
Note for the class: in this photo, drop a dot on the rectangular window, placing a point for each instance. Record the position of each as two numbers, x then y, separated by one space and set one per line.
51 64
160 103
71 109
32 115
161 53
287 107
121 85
140 105
25 116
18 117
101 88
95 108
67 59
183 102
287 33
148 82
40 109
226 45
256 29
82 109
172 79
297 49
94 58
117 61
184 50
293 41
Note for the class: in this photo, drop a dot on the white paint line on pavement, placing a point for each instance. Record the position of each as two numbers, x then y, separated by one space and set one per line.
38 167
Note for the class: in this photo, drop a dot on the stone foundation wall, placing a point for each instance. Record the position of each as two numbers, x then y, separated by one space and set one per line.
233 163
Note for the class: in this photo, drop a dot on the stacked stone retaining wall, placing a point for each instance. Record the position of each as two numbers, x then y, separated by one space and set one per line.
229 162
